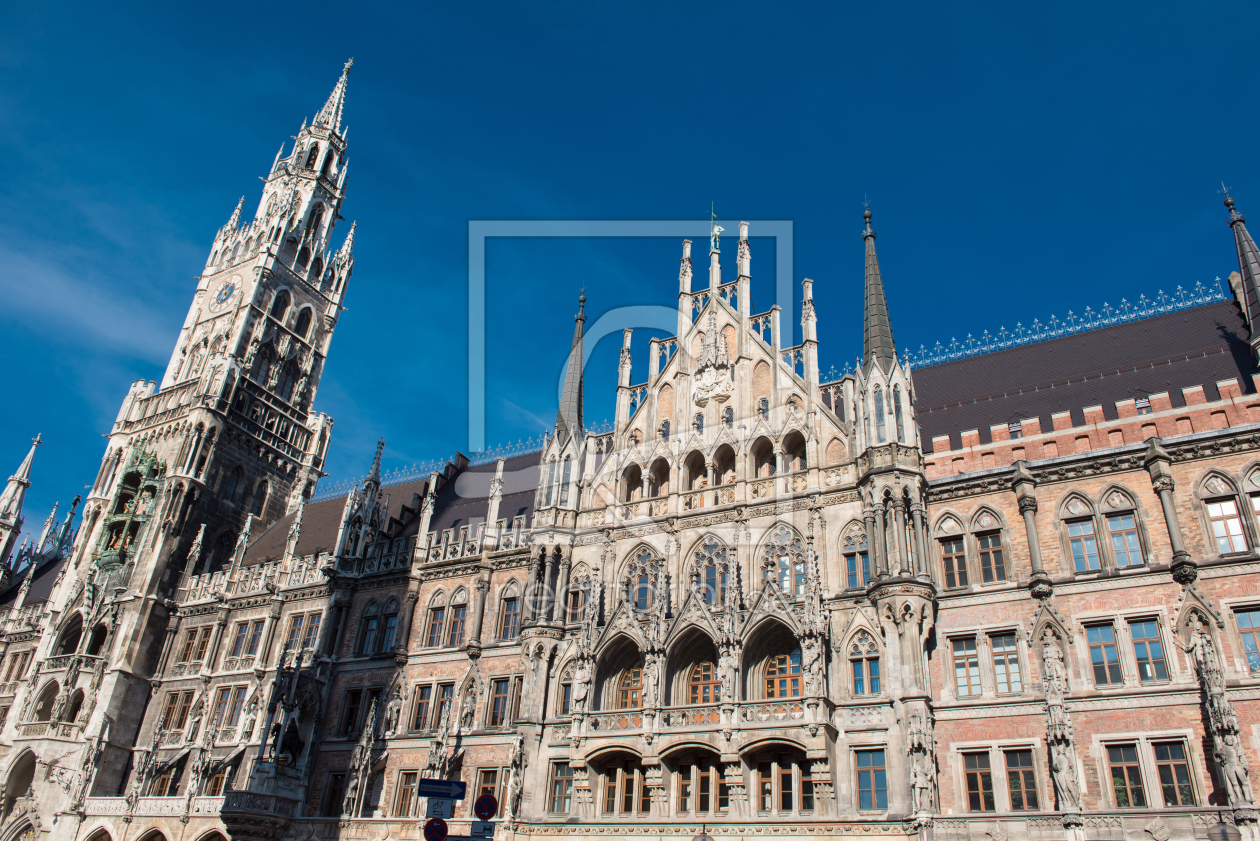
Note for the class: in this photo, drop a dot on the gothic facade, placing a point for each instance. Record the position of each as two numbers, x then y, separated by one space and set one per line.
1006 595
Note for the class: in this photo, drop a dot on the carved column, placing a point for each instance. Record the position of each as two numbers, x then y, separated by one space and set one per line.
733 776
548 595
479 612
1025 490
403 638
877 563
899 526
535 576
1158 464
920 543
273 618
880 539
654 780
562 589
824 791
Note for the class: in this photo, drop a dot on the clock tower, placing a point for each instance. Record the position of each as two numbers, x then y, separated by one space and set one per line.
227 442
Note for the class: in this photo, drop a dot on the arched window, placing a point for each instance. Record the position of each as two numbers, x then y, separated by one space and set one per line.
564 480
389 627
304 257
328 162
369 629
551 483
564 699
317 219
44 706
312 156
857 561
878 398
630 689
642 579
280 306
510 615
97 641
784 558
864 664
437 621
783 675
260 499
69 640
703 685
901 429
712 571
233 482
317 270
303 323
459 615
74 707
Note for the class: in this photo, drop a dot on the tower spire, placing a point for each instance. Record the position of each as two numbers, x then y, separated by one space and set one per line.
877 337
330 114
569 415
1248 266
374 472
15 493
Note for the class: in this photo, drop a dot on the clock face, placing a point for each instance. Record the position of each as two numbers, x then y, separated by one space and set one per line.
224 294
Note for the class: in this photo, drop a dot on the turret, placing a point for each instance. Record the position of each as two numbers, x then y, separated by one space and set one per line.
11 502
1249 267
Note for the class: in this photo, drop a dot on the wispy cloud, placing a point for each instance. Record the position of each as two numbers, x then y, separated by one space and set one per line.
80 308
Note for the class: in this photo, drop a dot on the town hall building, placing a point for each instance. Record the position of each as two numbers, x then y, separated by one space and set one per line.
1003 590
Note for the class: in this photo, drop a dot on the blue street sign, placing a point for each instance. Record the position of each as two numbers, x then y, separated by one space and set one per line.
435 830
445 789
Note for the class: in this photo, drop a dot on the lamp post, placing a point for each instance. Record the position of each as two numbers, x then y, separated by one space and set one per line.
1220 831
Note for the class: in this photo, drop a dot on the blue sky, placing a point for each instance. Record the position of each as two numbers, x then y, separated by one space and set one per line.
1020 159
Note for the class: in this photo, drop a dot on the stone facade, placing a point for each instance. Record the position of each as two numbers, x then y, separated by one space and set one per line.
759 605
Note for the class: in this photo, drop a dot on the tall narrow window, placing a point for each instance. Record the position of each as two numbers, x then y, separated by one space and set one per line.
629 689
255 636
499 702
765 785
1126 776
878 399
280 306
312 631
551 483
220 706
954 557
1084 546
437 621
459 613
992 564
1124 540
576 604
966 667
1148 651
238 703
510 619
1021 781
420 719
238 639
350 712
872 781
1102 654
1005 663
390 628
406 793
260 499
642 592
1249 628
684 788
564 481
979 782
561 787
1174 773
857 565
901 430
1226 526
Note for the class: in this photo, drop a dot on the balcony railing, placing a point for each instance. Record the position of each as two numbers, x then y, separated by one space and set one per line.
709 717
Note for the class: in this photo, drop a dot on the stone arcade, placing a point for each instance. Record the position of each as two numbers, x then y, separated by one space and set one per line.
1012 594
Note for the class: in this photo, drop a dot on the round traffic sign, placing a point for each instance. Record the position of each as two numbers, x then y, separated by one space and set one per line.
435 830
486 806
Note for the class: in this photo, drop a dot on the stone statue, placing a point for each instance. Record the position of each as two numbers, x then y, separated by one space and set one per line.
726 673
1055 677
651 675
251 718
292 743
1233 763
1064 772
581 685
468 710
920 785
515 781
393 712
352 791
811 656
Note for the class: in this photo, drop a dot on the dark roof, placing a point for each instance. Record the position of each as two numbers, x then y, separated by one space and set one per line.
1198 346
463 499
41 586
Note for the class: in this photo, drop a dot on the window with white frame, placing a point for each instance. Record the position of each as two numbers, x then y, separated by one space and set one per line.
1006 674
